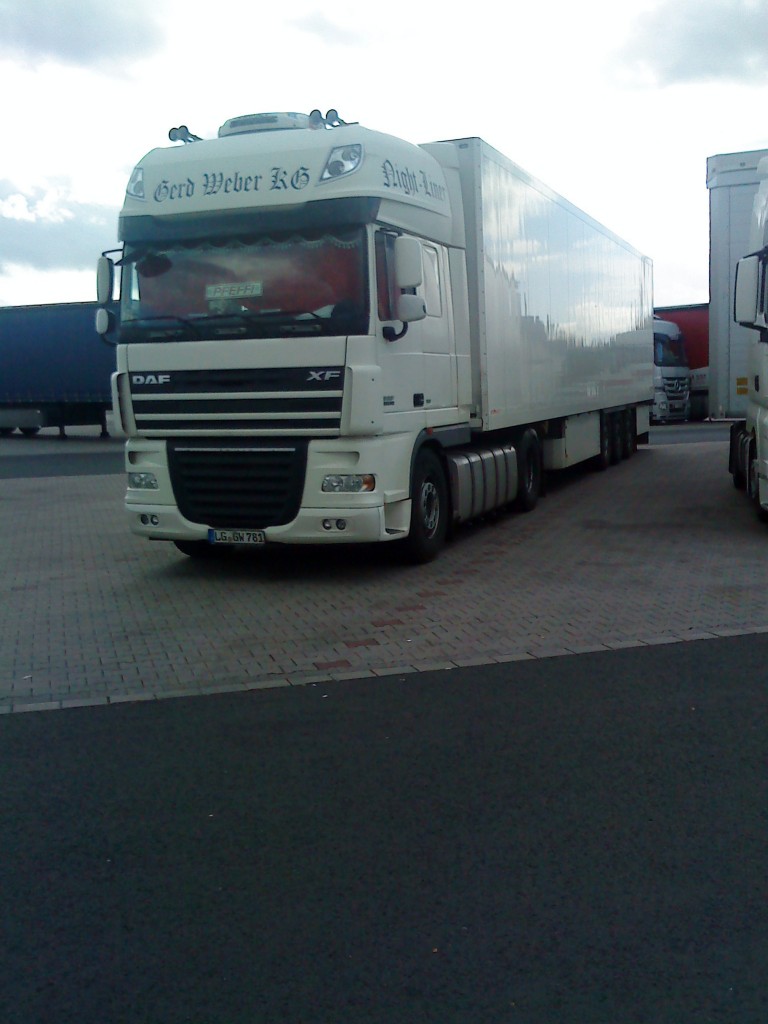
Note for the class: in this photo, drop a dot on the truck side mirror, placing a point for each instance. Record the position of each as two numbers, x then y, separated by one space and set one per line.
410 308
747 291
105 280
408 271
104 321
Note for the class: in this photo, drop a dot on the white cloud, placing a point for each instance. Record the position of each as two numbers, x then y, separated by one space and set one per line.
326 31
700 41
84 33
25 286
46 229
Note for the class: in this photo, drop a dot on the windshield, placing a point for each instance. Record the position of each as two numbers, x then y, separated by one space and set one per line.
268 286
668 352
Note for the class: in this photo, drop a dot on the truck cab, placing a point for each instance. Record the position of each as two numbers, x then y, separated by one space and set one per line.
671 376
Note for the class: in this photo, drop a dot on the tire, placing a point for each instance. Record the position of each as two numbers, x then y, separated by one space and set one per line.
734 460
602 460
628 443
614 436
753 486
429 508
529 471
29 431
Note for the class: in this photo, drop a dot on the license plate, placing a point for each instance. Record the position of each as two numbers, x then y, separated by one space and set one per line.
237 537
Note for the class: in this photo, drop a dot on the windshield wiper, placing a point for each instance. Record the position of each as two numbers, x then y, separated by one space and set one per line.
179 321
286 320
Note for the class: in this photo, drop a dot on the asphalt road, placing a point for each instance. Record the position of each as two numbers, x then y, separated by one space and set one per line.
576 840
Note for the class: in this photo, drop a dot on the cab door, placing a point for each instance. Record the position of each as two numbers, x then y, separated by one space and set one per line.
418 363
436 330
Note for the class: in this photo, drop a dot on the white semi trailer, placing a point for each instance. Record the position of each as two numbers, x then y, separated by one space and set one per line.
732 180
748 462
331 335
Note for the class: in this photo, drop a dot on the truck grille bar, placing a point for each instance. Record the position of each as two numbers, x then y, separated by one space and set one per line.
251 486
300 401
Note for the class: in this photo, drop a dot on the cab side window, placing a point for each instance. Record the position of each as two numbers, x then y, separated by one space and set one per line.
385 276
430 287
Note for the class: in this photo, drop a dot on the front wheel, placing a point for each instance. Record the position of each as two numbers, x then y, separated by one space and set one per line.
429 508
753 485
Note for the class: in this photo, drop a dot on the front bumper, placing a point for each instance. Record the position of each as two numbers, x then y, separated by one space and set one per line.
311 526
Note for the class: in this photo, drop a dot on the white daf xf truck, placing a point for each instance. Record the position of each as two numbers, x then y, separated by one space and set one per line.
328 335
748 461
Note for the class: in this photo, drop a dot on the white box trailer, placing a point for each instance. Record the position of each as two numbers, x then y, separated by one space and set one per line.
559 317
732 180
748 455
330 335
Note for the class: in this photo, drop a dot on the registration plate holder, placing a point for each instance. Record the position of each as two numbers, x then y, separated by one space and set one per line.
236 537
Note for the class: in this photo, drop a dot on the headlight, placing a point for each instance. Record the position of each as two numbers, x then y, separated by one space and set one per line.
343 160
143 481
135 188
342 483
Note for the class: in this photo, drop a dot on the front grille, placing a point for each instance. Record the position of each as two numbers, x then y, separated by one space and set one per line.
676 387
302 401
243 485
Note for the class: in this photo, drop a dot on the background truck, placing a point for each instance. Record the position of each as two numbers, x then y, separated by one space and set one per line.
748 457
693 321
54 369
330 335
732 180
671 378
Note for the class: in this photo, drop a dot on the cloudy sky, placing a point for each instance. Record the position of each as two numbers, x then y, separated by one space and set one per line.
614 105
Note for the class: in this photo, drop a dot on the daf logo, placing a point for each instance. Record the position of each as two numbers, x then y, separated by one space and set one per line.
323 374
150 378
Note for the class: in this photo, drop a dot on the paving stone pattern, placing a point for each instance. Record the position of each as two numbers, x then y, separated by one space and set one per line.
658 549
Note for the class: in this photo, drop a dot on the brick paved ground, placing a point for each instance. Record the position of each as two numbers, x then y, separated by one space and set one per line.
658 549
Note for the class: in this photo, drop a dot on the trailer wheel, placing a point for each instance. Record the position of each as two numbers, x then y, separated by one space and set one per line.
602 460
6 431
529 471
614 436
429 508
627 443
29 431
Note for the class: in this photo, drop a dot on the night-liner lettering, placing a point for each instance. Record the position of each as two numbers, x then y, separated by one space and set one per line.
412 183
213 183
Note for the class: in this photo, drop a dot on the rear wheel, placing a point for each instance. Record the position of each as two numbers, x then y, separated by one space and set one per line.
628 442
429 508
614 436
602 460
529 471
